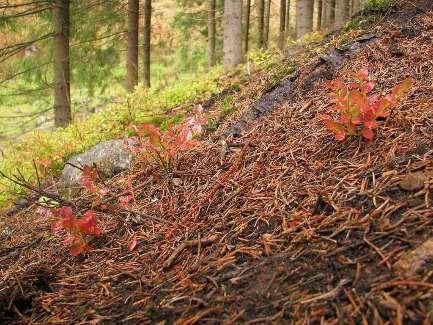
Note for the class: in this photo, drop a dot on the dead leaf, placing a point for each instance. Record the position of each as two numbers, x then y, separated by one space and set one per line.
413 181
411 263
132 244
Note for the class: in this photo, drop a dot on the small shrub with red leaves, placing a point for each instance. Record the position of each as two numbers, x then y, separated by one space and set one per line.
77 229
357 110
163 148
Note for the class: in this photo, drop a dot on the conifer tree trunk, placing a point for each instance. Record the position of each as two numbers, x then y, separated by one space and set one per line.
211 33
267 20
342 12
356 6
328 14
132 55
232 39
247 26
282 36
261 23
287 19
146 45
62 97
324 22
319 14
304 17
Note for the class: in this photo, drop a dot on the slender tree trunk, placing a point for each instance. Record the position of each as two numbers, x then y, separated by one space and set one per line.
261 22
304 17
328 14
132 56
324 22
356 6
287 19
62 95
282 36
232 40
319 14
267 20
247 26
146 45
342 12
211 33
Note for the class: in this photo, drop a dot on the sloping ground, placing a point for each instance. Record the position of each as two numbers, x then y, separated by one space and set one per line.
286 226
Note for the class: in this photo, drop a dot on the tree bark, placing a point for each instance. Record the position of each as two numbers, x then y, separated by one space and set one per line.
247 26
132 56
62 95
342 12
319 14
261 22
232 39
356 6
146 45
304 17
267 20
211 33
287 19
328 14
282 36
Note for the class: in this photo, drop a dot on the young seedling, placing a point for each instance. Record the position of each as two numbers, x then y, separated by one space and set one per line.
163 148
77 229
358 111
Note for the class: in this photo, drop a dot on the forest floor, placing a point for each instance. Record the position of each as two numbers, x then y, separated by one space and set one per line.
286 226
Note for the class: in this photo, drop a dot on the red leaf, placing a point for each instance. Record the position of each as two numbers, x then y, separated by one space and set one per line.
368 134
381 107
362 74
336 127
369 86
88 178
66 212
70 239
152 132
340 135
56 226
87 224
77 248
132 244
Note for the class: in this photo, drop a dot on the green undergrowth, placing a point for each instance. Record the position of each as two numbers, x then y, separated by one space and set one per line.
50 150
369 14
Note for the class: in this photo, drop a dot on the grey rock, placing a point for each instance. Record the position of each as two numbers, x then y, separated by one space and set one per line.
110 157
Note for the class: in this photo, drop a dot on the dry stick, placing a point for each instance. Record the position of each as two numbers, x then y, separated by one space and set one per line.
405 283
30 187
378 251
37 173
189 243
328 295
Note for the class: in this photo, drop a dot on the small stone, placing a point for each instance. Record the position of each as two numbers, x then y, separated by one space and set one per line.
110 157
413 181
414 262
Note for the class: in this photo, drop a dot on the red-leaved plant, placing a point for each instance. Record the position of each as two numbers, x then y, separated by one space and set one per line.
358 111
89 177
77 229
163 148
